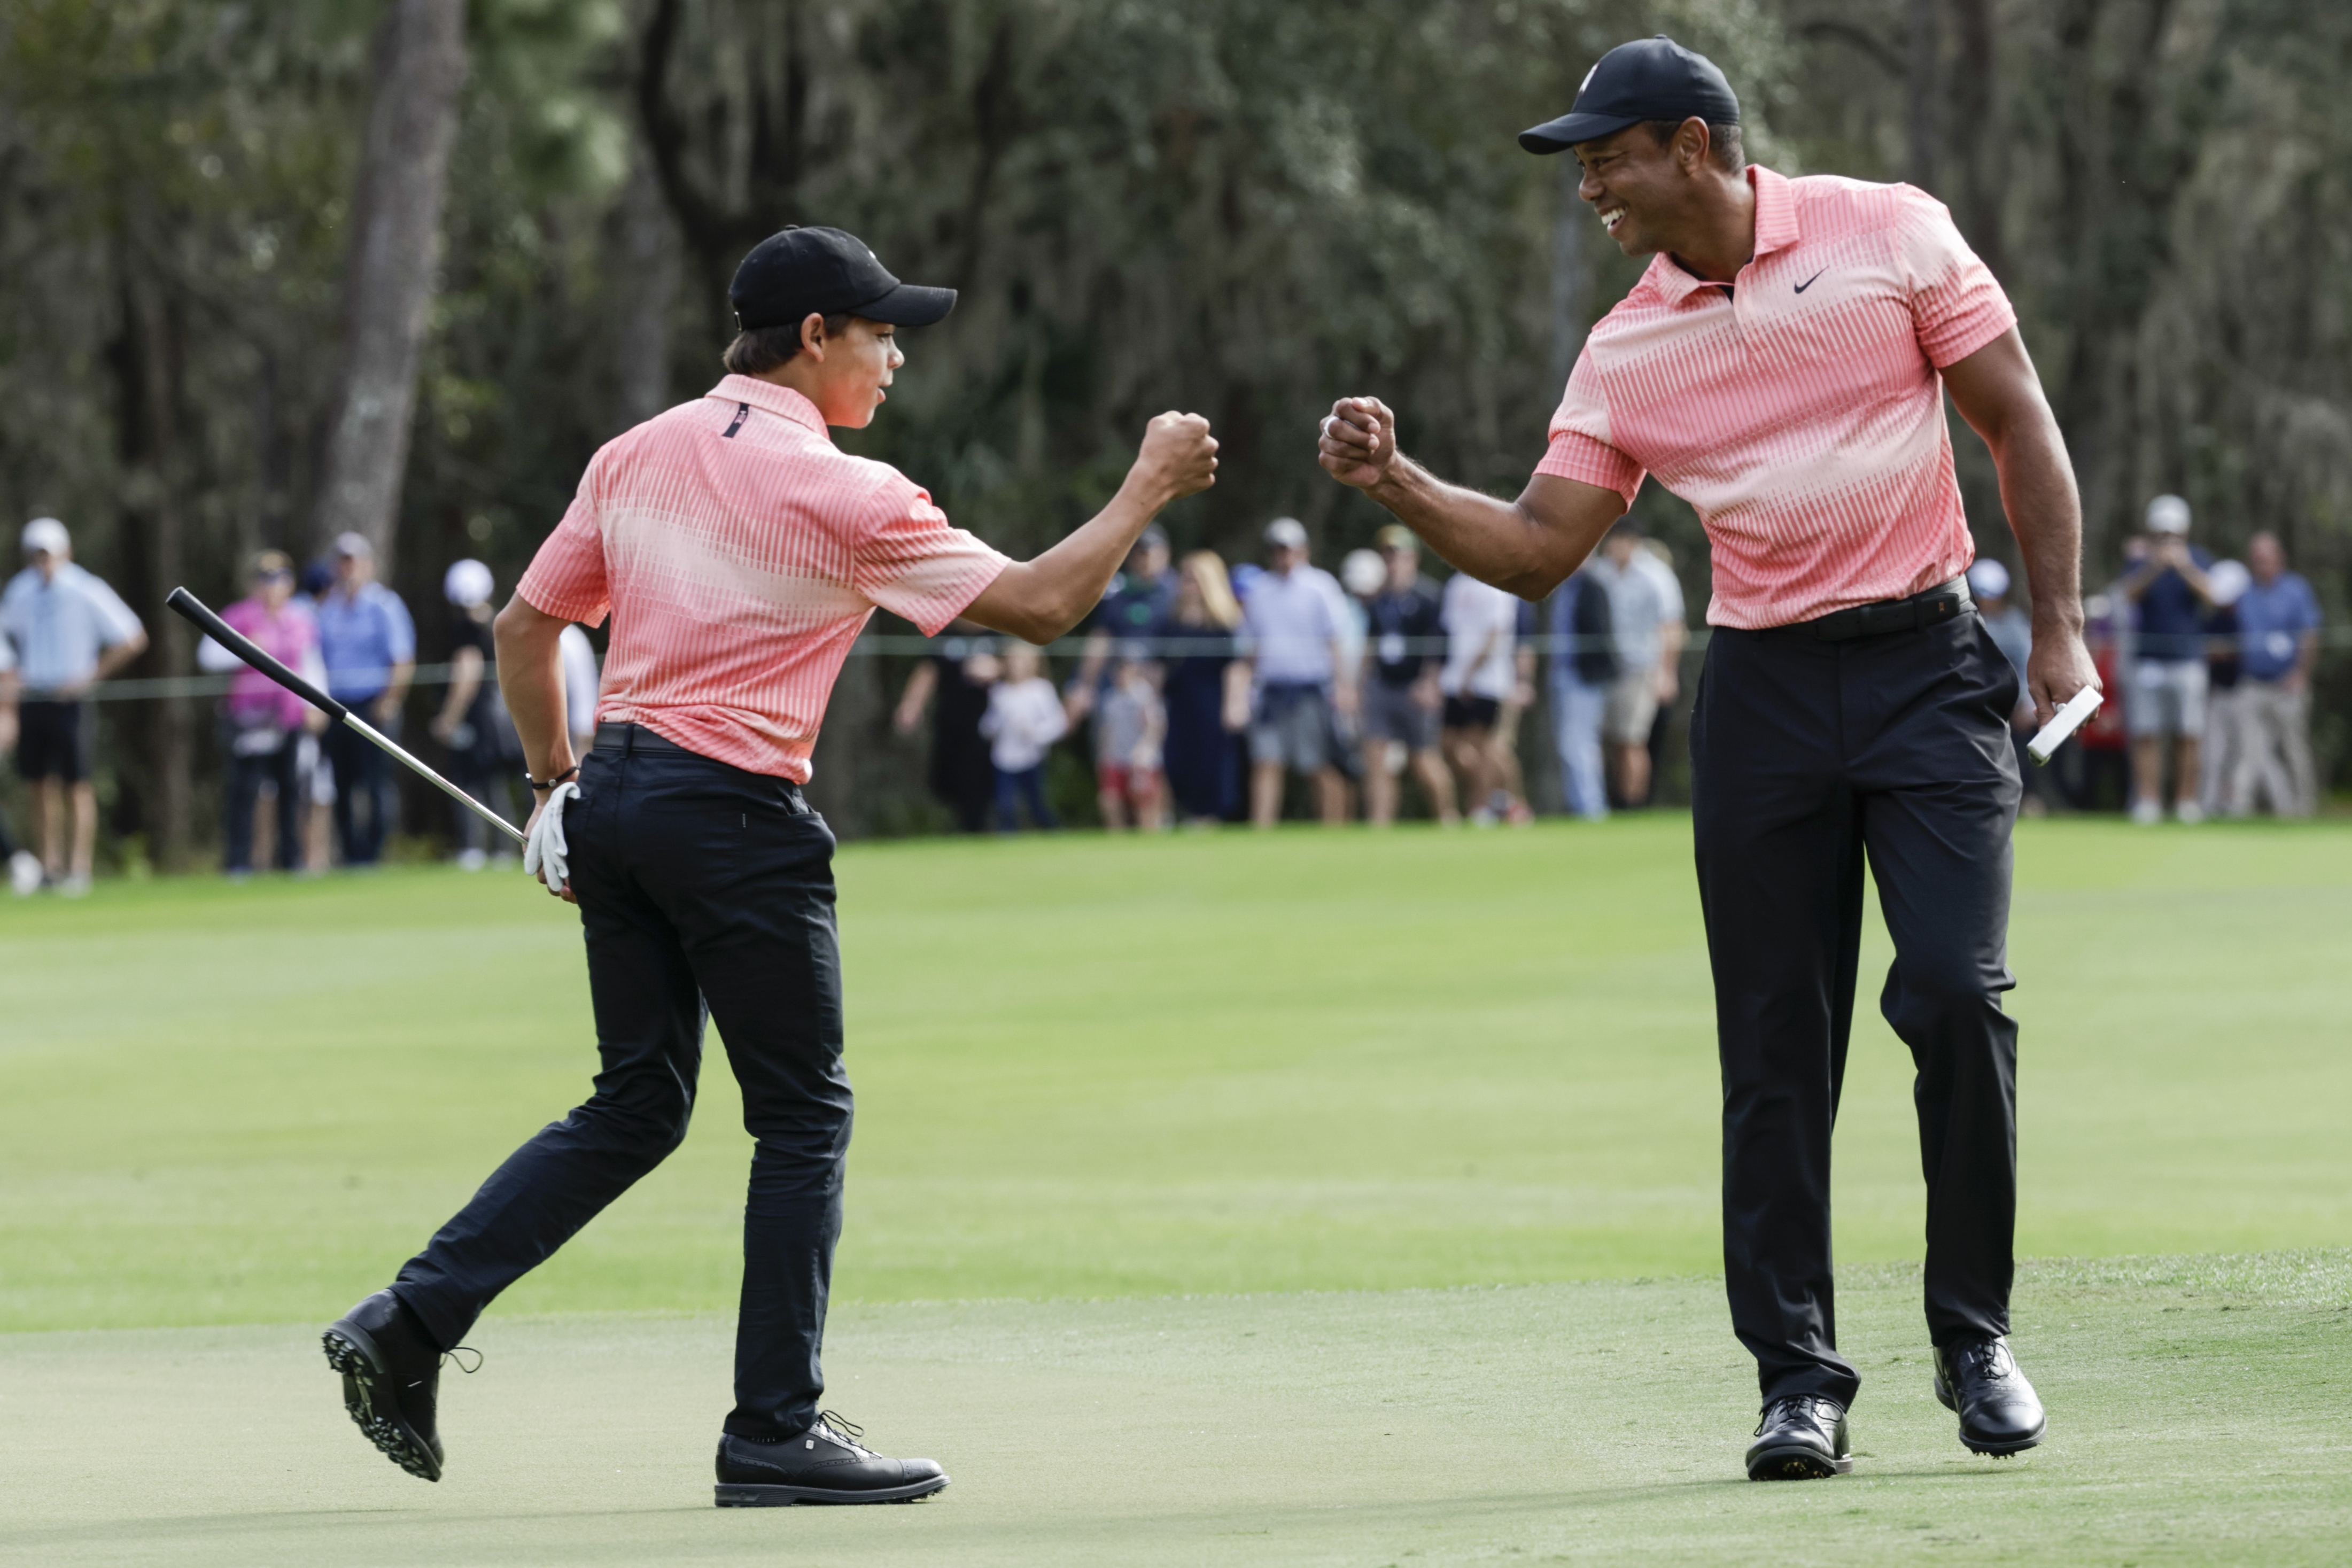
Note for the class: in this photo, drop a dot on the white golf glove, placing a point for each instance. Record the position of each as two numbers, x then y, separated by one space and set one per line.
544 855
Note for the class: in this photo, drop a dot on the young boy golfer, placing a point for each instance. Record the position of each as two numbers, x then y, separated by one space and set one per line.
738 553
1782 365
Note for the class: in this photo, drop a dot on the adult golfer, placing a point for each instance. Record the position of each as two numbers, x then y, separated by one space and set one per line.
738 553
1782 365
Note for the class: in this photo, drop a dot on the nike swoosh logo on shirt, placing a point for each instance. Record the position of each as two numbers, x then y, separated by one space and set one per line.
1810 282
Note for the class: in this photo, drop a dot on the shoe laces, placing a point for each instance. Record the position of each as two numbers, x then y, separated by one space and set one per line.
456 1353
1797 1407
1985 1359
846 1432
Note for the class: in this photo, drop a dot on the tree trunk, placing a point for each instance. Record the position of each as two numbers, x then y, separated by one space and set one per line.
1923 79
1980 133
649 243
145 361
420 64
1571 275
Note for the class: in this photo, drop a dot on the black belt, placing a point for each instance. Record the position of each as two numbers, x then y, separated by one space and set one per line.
1945 602
627 738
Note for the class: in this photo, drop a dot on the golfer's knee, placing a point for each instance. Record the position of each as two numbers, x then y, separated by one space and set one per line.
1930 992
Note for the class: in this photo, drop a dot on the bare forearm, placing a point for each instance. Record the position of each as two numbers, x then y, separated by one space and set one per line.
1042 599
2037 489
1496 541
113 660
530 678
464 682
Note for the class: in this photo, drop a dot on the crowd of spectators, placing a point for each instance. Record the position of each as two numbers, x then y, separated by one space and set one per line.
1209 694
1203 694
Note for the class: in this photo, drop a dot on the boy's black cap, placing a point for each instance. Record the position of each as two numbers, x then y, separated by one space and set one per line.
790 274
1650 78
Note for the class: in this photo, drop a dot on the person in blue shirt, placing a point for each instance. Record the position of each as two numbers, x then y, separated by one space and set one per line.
2167 701
368 644
2278 641
70 631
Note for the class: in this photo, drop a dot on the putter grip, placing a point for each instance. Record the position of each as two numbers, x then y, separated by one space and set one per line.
237 643
2062 723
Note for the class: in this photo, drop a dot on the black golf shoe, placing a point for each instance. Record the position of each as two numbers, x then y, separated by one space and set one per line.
2000 1413
1801 1438
825 1464
392 1379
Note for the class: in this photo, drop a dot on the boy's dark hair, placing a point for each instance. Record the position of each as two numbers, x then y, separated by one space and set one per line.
763 349
1723 142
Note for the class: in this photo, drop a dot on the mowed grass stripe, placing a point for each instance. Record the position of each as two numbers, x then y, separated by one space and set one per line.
1133 1067
2196 1412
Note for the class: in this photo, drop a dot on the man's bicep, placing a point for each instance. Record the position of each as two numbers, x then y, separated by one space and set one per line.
1570 516
1996 386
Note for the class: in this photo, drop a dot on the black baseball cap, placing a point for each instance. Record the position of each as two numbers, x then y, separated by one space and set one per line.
1650 78
799 270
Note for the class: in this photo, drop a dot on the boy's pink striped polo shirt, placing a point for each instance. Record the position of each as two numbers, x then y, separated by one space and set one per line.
740 553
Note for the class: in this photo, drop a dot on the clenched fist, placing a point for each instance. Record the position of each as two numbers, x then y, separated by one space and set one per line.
1359 441
1179 456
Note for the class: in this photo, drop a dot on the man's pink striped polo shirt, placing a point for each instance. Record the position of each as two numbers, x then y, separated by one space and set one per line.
740 553
1802 413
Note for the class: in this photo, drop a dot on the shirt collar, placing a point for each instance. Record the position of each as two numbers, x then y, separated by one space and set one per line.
770 398
1776 229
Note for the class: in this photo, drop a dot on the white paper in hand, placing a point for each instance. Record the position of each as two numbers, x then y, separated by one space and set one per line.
2064 723
547 849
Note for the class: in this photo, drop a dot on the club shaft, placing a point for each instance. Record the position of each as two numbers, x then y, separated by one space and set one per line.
195 609
394 749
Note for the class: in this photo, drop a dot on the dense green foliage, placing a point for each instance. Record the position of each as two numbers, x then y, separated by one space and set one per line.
1098 1068
1242 207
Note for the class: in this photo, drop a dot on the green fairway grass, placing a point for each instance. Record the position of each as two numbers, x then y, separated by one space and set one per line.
1092 1066
2196 1418
1318 1198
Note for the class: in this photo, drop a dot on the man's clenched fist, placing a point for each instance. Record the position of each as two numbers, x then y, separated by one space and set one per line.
1179 456
1359 441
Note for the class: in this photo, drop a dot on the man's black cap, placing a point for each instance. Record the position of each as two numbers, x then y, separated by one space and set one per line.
790 274
1650 78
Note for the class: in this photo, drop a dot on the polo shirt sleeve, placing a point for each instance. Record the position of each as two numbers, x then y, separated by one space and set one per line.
1581 445
912 562
399 629
1958 306
118 622
567 579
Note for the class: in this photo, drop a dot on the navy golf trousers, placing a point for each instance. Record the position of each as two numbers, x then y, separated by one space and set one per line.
1808 759
706 892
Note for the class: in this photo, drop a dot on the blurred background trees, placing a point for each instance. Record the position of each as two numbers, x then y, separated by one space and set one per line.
1241 207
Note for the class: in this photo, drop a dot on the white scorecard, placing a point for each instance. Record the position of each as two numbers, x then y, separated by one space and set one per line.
2064 723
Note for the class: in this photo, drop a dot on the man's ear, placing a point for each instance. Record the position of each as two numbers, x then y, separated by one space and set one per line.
1693 142
812 335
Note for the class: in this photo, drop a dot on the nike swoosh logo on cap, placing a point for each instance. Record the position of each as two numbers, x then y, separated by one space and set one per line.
1810 282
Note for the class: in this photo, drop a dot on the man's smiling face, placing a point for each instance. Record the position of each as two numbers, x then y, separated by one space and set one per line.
1636 184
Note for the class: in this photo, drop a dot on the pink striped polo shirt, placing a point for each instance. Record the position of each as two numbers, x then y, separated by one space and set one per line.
740 553
1802 415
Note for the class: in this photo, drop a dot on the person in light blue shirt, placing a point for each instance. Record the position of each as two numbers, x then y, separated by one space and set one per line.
368 643
1293 632
68 631
2278 640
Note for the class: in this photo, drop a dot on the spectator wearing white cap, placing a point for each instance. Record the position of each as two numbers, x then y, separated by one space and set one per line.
473 722
2011 630
2168 682
369 644
70 631
1295 634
